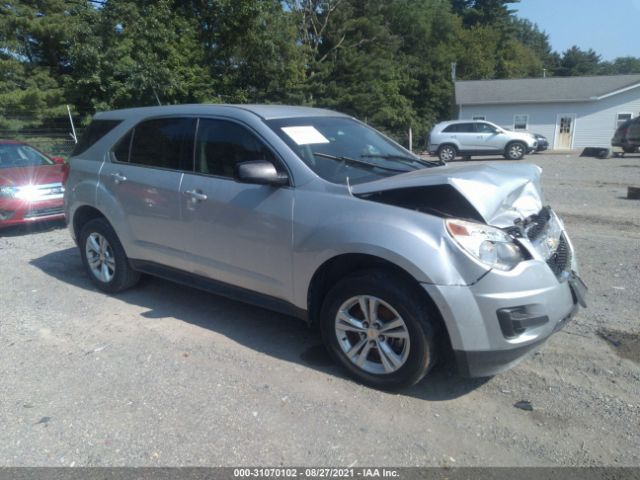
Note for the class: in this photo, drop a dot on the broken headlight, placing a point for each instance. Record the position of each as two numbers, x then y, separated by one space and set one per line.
490 245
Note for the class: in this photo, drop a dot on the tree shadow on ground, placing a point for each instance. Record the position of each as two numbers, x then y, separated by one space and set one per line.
271 333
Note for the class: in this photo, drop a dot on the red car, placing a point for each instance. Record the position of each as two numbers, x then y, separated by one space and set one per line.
31 184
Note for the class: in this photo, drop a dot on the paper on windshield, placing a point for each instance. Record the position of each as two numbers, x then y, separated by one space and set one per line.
305 135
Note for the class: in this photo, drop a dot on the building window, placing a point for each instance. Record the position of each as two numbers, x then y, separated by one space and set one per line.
479 117
520 122
622 117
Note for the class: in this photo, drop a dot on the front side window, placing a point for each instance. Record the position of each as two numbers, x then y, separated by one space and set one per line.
19 155
520 122
485 128
341 148
221 145
162 143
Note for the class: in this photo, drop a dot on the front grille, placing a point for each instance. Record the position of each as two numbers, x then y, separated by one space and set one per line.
560 260
545 234
537 224
44 212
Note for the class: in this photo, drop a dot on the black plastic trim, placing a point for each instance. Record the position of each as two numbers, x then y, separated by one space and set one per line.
489 363
220 288
514 321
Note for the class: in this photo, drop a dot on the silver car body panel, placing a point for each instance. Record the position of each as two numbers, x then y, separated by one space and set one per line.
272 240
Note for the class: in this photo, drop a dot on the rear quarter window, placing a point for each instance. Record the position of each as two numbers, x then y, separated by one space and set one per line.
94 132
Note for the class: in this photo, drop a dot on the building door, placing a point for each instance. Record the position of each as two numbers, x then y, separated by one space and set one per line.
564 136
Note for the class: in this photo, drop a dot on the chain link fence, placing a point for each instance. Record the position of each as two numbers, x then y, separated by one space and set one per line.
54 137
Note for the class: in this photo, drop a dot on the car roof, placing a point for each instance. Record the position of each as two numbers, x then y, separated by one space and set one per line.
266 112
452 122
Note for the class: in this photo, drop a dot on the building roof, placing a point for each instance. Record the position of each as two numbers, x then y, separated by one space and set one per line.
543 90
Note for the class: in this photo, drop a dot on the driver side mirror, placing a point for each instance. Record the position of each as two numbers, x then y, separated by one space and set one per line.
58 160
260 172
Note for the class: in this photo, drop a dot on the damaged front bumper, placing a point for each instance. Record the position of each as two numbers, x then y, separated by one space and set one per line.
506 316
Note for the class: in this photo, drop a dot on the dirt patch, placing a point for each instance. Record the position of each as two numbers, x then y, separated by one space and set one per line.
624 344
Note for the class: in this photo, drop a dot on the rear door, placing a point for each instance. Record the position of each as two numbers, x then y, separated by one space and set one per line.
236 233
143 178
465 135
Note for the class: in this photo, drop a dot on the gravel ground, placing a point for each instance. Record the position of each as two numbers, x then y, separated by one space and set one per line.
166 375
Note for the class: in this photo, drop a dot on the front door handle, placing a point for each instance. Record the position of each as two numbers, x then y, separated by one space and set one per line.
118 178
195 195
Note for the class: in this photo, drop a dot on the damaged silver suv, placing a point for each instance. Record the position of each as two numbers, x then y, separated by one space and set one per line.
314 214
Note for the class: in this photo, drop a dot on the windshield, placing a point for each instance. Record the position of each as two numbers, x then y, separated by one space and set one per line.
337 148
18 155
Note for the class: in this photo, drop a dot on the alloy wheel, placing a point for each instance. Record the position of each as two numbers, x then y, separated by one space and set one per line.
516 151
100 257
372 334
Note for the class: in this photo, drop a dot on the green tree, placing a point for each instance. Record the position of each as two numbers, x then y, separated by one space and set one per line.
621 66
576 61
483 12
34 58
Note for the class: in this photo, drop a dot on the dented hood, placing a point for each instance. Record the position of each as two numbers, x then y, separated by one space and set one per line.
501 193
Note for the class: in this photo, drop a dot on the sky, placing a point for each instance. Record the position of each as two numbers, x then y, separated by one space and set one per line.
610 27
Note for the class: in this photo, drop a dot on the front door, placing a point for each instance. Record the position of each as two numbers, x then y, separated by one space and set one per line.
236 233
489 139
564 140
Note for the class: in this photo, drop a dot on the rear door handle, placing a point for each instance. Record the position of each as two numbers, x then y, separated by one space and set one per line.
195 195
118 178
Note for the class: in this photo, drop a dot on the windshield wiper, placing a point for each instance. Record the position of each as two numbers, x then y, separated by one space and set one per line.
357 162
402 157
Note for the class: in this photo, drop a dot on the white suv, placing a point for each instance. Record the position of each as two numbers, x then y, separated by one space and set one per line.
465 138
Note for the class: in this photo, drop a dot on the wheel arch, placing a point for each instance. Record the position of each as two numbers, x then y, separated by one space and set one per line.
342 265
84 214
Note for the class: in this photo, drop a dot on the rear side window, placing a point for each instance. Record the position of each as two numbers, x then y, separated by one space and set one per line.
94 132
121 150
164 143
460 128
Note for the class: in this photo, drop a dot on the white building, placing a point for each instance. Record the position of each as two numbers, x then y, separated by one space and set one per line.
572 112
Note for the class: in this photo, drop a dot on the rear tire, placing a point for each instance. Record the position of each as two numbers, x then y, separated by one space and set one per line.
375 325
104 258
447 153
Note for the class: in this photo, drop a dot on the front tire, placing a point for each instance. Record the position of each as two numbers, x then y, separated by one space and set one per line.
515 151
376 326
104 258
447 153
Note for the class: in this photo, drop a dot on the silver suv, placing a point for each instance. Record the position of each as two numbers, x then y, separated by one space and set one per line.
314 214
467 138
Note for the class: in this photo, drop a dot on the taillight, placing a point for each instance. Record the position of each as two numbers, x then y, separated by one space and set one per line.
66 169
